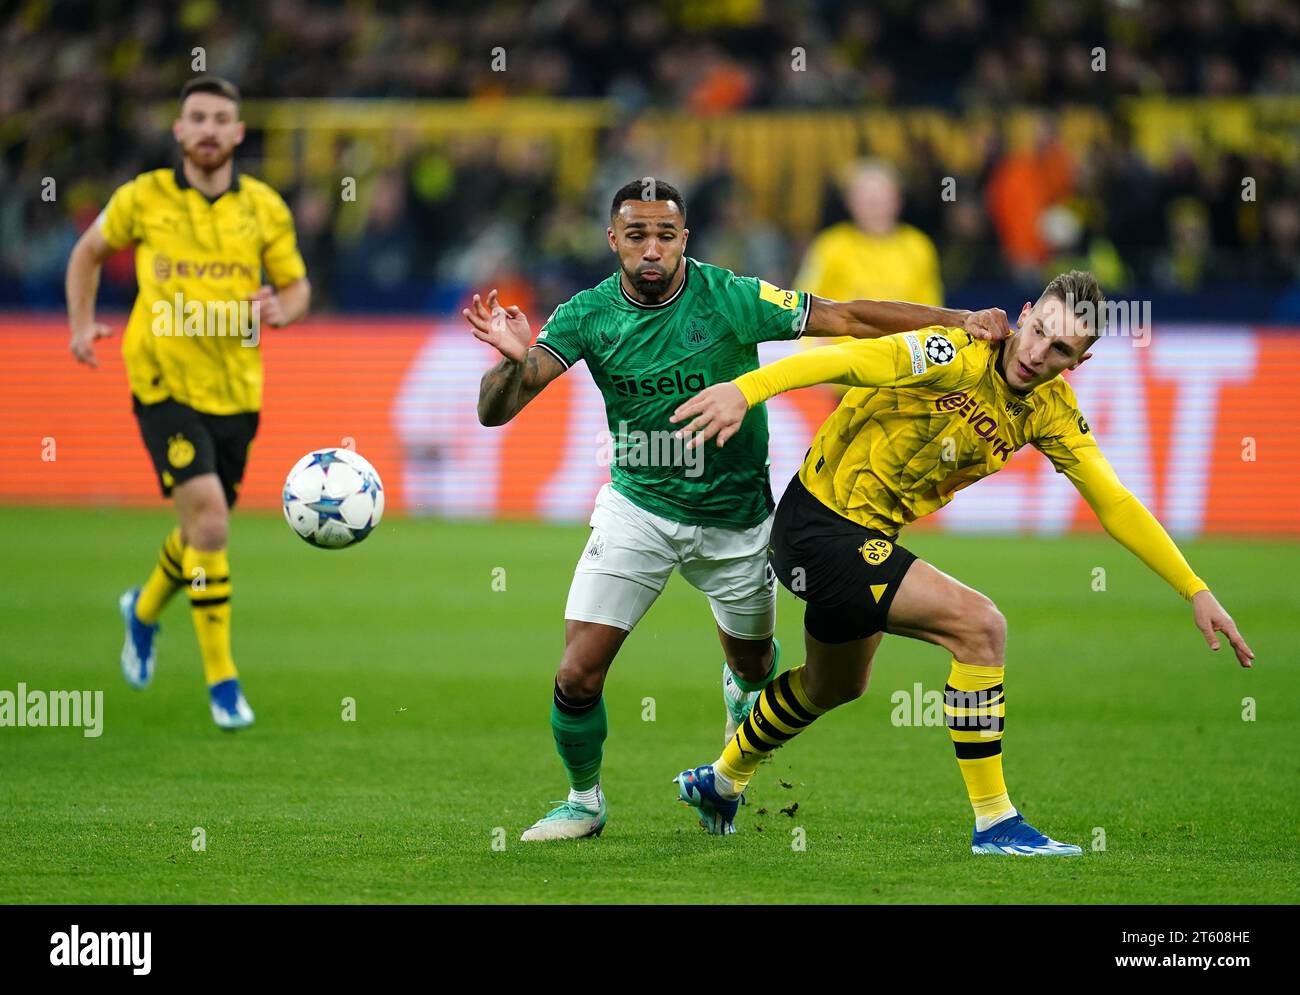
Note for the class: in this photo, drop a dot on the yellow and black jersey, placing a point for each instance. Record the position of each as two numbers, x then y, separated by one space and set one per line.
931 413
844 263
193 254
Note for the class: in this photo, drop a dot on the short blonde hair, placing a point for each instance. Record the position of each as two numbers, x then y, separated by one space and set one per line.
1076 287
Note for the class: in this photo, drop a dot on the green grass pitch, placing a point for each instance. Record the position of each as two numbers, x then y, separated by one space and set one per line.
1120 723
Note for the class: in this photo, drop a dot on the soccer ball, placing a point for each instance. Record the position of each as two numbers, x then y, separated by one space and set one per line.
333 498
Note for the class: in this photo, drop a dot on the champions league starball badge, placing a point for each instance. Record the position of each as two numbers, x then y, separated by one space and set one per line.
938 350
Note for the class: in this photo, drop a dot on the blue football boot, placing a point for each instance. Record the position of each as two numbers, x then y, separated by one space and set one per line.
1016 837
716 814
138 651
229 709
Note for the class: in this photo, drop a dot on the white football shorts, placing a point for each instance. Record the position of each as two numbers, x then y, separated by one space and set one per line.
631 554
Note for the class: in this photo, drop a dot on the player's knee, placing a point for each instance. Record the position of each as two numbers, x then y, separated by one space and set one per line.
842 692
209 529
579 681
984 633
833 682
750 665
856 687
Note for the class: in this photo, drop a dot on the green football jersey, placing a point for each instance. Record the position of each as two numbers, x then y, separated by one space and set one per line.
649 358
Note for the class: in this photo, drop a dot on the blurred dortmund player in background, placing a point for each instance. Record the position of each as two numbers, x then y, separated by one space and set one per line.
873 254
203 235
931 412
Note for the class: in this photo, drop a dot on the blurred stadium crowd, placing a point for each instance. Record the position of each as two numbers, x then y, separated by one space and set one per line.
82 83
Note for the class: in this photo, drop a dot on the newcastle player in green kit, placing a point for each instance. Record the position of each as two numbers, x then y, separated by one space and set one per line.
655 333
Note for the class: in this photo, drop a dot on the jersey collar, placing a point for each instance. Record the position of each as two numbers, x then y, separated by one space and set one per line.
183 184
662 304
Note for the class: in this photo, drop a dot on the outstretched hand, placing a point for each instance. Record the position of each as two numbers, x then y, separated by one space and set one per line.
1212 619
506 329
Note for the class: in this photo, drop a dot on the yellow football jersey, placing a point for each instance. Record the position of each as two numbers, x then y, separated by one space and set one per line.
194 259
931 413
845 263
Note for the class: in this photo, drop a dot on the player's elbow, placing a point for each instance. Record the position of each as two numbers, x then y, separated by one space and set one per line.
82 256
90 250
490 416
1116 510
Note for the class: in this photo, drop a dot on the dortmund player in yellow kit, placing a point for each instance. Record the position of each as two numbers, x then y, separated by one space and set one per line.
931 412
203 234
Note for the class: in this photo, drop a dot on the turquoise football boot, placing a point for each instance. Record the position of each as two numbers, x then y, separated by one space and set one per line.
568 821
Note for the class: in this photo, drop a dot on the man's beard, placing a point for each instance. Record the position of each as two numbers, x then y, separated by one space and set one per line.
212 160
652 290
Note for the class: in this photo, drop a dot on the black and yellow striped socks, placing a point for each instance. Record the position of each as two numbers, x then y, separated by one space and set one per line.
207 574
165 580
779 714
974 708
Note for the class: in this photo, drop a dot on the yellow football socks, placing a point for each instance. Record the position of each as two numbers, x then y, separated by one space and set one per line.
166 579
207 574
974 708
780 713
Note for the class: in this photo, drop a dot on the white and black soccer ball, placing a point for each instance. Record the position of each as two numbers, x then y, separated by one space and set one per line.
333 498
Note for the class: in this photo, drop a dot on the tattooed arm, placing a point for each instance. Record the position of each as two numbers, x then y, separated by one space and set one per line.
508 386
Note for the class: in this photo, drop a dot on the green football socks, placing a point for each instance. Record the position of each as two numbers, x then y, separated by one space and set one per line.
580 728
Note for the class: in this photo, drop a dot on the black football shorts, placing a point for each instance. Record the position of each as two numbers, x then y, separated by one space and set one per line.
846 573
184 443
